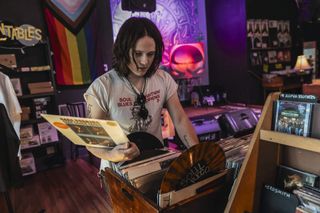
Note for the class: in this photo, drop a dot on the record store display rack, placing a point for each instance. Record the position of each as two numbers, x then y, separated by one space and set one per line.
196 181
267 151
30 70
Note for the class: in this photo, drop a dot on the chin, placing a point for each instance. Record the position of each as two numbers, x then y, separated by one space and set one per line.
139 73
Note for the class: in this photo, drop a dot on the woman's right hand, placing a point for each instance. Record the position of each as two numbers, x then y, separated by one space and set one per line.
121 152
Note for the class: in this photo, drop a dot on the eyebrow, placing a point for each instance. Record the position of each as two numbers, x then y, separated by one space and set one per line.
140 51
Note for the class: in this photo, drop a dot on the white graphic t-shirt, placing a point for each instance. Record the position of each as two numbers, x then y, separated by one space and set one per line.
116 97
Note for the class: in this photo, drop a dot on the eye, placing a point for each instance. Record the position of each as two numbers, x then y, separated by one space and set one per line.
137 54
151 54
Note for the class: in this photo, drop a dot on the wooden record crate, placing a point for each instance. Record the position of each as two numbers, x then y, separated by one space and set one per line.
126 198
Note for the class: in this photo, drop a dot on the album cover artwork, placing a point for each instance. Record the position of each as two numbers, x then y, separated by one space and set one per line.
272 55
88 131
280 56
250 27
287 55
255 59
264 33
289 178
264 57
257 36
293 117
274 199
273 31
47 133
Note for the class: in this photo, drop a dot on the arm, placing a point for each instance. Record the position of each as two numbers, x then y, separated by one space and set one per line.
121 152
181 122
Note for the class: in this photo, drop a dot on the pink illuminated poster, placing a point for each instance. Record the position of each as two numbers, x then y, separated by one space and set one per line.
183 28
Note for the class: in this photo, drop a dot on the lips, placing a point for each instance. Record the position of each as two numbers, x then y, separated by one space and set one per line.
143 69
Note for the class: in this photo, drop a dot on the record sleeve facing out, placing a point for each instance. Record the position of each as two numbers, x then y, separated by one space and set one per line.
193 165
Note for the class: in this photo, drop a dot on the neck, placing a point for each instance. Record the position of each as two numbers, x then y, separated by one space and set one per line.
137 82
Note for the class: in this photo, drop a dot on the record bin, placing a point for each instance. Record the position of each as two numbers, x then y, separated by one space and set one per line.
126 198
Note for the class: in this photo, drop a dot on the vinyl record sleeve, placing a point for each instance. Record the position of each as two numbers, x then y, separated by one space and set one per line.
276 200
87 131
195 164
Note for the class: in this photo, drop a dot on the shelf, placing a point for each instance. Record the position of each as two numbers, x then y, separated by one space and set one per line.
16 73
41 146
36 61
271 48
33 121
36 95
306 143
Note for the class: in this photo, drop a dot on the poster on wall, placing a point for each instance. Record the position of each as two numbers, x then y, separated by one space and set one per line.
183 28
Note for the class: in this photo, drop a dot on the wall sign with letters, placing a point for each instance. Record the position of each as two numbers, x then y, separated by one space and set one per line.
26 34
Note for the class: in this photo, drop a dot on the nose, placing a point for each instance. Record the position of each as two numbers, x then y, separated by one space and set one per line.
144 60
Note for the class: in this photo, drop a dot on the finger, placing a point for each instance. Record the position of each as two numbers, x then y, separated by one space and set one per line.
130 153
133 145
123 146
127 145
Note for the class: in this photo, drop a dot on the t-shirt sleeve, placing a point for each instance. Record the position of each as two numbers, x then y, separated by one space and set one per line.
13 106
171 85
98 92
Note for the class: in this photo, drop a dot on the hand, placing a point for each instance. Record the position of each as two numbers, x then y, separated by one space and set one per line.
123 152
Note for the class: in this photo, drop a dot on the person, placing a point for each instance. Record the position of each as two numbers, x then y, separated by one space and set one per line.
135 90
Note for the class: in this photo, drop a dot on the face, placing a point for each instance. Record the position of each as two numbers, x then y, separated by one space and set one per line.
143 55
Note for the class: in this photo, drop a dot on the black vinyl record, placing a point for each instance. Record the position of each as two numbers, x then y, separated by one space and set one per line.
195 164
145 141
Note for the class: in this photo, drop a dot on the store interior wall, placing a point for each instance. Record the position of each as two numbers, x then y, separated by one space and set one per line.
30 12
227 50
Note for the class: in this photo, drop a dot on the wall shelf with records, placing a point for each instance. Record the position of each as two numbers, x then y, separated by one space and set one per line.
32 121
36 95
31 72
269 45
270 150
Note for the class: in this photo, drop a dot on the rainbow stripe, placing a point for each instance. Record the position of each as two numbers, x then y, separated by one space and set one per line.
78 59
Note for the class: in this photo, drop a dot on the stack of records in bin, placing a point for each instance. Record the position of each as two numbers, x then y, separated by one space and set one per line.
146 171
235 151
197 169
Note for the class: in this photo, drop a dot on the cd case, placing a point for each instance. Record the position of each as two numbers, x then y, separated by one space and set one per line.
293 117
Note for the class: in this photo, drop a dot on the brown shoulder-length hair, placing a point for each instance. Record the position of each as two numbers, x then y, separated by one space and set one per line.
130 32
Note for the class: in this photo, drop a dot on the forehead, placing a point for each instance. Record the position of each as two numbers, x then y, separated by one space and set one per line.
145 44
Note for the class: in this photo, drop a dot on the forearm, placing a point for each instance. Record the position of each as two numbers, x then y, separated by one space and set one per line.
104 154
186 132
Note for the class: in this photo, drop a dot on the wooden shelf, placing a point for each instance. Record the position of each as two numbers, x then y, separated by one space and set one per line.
306 143
41 146
36 57
32 121
267 150
36 95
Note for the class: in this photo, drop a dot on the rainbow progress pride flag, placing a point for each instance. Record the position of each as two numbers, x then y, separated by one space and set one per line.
78 58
